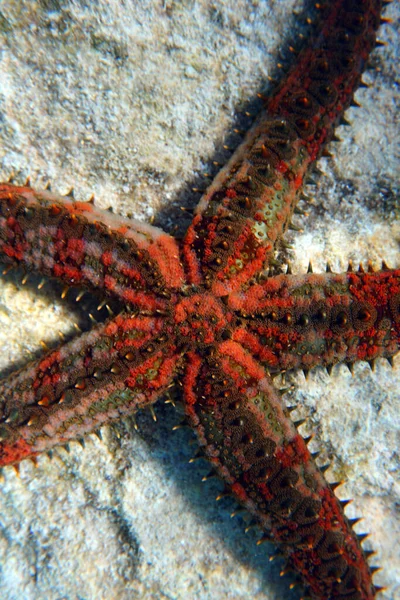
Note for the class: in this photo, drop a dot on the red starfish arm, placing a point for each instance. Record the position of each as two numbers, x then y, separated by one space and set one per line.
249 205
113 370
301 321
255 448
82 245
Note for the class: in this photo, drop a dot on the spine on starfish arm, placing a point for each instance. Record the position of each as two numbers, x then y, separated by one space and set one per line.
82 245
250 203
112 371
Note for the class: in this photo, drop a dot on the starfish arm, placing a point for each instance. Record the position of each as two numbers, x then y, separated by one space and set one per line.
255 448
112 371
301 321
82 245
249 205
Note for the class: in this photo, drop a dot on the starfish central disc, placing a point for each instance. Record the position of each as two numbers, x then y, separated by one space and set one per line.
201 318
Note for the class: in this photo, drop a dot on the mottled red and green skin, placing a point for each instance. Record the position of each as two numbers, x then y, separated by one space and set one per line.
203 312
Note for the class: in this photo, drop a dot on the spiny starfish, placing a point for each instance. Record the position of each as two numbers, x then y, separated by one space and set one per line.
223 324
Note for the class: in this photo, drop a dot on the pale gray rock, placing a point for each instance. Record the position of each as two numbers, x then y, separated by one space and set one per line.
130 100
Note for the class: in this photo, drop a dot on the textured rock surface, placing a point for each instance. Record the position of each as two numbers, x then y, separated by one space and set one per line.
130 101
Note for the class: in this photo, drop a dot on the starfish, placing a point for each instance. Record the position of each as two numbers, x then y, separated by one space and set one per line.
210 313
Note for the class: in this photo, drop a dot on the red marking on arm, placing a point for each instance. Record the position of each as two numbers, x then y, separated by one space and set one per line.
48 361
239 492
192 373
71 274
82 207
110 283
293 453
15 452
106 258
